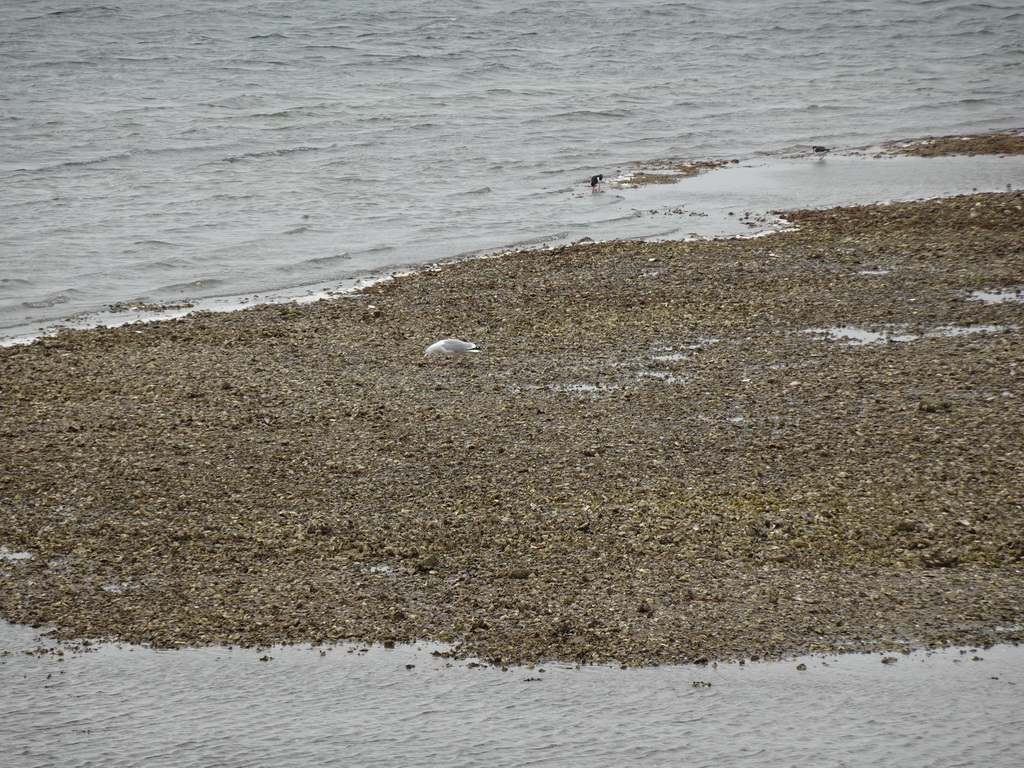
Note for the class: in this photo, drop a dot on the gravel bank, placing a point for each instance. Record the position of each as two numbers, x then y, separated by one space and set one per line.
996 143
666 452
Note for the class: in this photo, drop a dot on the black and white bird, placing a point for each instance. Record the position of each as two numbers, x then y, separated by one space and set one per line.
820 151
595 181
451 348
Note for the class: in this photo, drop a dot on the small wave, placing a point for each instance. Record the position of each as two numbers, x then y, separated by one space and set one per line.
586 114
321 262
1011 51
549 192
274 153
326 46
133 155
348 178
228 196
14 285
191 286
329 259
443 22
80 163
153 244
380 249
88 10
532 241
165 265
49 301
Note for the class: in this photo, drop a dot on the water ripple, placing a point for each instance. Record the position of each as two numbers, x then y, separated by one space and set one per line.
213 127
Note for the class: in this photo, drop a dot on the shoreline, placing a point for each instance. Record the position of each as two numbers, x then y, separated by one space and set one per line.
658 205
668 452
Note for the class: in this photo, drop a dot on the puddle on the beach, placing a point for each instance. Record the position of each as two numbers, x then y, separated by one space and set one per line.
571 388
613 376
385 568
680 352
966 330
668 377
855 336
106 704
998 295
581 388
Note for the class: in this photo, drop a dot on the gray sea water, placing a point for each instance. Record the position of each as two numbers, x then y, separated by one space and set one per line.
182 150
353 706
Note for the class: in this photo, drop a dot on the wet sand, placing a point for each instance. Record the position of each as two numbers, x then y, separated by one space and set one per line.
666 452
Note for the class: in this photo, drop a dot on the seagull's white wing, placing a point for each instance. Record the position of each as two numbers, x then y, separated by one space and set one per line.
450 348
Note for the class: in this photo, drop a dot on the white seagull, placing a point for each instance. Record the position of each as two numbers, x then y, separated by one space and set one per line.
450 348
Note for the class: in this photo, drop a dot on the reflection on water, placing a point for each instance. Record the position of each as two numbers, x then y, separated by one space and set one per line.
301 706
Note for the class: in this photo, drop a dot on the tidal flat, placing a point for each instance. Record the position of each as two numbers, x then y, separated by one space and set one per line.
667 452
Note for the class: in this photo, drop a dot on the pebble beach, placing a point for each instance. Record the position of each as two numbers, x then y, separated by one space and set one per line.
666 452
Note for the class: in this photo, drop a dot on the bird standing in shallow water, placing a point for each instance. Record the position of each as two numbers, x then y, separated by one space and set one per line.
821 151
452 348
